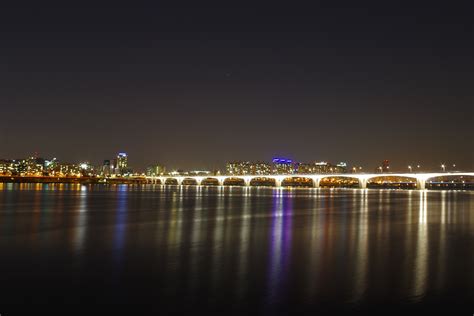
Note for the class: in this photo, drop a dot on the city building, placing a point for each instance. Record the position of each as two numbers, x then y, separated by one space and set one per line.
31 166
260 168
156 170
86 169
283 166
341 167
322 167
238 167
122 162
6 167
304 168
248 168
51 167
69 170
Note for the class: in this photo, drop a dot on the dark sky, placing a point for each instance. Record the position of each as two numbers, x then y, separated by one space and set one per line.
194 87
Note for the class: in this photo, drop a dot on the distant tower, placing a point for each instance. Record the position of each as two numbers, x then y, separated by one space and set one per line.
122 162
385 166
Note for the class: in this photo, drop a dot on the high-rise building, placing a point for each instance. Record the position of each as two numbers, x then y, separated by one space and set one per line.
122 163
260 168
238 167
283 166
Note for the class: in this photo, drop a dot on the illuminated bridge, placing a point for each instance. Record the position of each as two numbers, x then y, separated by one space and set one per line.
403 180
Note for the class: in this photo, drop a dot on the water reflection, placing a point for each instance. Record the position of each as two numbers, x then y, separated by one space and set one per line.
316 240
197 230
120 225
421 257
242 245
440 262
361 248
280 245
81 220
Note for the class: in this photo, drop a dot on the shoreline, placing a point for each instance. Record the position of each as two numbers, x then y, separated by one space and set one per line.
81 180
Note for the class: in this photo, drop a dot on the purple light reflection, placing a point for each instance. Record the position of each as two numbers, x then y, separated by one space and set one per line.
280 240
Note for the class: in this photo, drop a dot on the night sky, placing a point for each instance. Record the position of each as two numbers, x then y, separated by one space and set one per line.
194 87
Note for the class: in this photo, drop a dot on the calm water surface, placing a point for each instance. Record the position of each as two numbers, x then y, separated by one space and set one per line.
234 250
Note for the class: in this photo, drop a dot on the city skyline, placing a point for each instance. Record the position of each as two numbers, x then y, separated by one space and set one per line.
119 164
280 172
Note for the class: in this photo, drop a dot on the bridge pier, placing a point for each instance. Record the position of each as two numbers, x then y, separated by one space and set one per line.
421 184
316 182
278 182
362 183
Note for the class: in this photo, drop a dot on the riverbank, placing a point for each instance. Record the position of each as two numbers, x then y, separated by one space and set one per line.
84 180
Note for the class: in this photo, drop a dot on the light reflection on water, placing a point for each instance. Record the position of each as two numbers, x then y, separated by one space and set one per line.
247 247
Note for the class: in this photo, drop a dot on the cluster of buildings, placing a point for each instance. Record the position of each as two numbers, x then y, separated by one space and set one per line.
118 167
37 166
283 166
155 170
34 166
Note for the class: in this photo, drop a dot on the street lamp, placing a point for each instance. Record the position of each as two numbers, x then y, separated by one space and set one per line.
380 169
409 168
443 167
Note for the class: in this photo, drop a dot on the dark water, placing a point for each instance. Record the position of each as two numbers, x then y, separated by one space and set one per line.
234 250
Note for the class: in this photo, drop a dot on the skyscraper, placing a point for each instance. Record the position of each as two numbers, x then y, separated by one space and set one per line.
122 161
